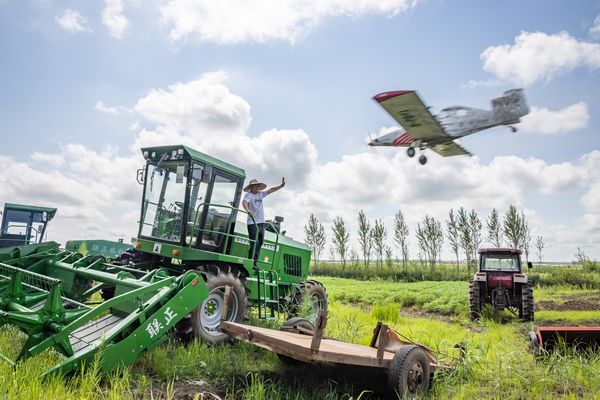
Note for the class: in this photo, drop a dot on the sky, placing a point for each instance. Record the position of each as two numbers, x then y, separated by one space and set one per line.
285 88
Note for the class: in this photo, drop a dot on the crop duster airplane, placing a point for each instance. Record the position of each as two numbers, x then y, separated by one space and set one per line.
424 130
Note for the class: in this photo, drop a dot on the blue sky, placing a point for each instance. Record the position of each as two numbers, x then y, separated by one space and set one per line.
74 76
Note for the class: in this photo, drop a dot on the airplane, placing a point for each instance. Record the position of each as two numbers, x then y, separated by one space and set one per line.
424 130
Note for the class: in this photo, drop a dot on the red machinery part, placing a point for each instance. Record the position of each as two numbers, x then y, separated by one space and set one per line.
548 337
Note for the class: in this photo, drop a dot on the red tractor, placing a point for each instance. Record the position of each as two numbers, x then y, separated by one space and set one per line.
501 282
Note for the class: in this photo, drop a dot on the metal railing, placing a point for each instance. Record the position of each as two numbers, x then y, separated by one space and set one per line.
231 236
27 236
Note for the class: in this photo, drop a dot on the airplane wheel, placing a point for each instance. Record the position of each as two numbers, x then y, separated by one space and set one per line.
423 160
410 152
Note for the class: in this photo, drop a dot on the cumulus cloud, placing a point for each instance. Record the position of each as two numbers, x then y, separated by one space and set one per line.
114 19
547 122
264 20
72 21
538 56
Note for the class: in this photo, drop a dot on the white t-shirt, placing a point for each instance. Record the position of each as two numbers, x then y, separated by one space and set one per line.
255 205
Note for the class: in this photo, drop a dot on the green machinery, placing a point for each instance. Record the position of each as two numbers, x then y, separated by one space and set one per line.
22 224
190 247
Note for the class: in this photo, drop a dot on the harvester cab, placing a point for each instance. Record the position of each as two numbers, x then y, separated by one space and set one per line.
188 221
22 224
501 282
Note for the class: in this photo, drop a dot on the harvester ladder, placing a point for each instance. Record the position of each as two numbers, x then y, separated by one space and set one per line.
268 294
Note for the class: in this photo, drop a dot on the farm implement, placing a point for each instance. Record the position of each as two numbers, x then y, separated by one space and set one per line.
547 338
46 292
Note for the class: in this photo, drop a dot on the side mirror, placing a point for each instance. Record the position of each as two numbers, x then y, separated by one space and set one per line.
529 264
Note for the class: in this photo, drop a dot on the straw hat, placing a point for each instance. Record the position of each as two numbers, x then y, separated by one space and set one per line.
261 186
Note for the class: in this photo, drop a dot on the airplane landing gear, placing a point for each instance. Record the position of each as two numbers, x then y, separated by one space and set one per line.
411 152
422 160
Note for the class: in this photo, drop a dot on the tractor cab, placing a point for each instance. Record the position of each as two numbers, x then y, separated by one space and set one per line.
22 224
501 282
190 199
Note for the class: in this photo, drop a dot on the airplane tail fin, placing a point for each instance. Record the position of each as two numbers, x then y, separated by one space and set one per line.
510 107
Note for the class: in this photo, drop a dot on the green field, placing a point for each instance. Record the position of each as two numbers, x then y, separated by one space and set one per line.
498 363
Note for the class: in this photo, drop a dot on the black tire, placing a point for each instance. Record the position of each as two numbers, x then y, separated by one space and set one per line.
475 300
203 322
299 322
409 375
527 304
411 152
313 290
290 323
422 160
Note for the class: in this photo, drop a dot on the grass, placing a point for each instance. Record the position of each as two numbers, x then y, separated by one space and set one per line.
497 365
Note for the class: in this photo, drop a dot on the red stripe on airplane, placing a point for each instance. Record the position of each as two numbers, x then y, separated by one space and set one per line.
403 139
388 95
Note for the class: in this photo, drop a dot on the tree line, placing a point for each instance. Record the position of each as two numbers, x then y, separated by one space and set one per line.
463 231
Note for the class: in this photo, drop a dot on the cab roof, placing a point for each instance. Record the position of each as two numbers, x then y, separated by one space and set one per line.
23 207
196 156
505 250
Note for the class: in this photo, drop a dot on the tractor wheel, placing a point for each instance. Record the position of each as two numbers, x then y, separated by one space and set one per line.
308 298
290 323
526 309
410 373
475 301
203 322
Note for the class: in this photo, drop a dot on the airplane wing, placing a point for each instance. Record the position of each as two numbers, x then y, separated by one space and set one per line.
450 149
409 111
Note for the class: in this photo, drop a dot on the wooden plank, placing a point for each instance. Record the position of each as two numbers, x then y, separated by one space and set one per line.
320 325
298 346
226 301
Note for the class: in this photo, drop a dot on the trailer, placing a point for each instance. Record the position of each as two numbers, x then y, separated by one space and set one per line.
409 366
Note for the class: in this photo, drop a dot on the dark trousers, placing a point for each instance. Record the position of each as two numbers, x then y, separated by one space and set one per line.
257 231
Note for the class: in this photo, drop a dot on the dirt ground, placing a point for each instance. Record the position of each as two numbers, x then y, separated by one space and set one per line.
576 302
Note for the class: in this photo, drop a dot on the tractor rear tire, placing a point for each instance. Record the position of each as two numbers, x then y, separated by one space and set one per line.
316 296
527 304
475 301
409 374
203 322
290 323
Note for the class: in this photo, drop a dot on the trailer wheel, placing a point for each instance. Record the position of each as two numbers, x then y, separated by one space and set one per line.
527 304
205 319
475 301
410 373
308 298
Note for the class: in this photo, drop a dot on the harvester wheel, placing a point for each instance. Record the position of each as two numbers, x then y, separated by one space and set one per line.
475 300
205 319
308 298
410 373
527 305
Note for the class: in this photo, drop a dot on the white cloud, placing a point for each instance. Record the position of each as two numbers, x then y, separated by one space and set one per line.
537 56
55 160
547 122
264 20
488 83
595 28
100 106
113 18
72 21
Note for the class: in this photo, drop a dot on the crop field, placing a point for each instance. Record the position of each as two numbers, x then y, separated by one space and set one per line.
498 363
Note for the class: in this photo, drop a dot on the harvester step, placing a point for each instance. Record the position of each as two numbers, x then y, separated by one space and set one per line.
92 331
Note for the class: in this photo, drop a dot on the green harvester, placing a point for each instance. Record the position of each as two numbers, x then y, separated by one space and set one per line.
191 245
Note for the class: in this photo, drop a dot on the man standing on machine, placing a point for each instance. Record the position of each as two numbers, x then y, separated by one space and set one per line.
253 204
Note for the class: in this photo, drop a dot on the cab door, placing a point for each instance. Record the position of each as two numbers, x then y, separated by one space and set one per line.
221 211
